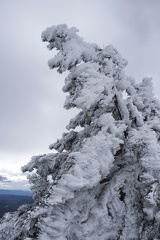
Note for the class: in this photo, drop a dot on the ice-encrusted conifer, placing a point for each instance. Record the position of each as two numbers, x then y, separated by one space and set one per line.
103 182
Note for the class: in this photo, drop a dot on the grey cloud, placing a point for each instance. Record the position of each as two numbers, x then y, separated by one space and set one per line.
3 179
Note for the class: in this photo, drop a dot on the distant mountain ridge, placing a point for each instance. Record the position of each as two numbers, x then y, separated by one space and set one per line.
15 192
11 200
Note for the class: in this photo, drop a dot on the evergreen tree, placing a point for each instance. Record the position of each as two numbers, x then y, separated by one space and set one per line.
103 182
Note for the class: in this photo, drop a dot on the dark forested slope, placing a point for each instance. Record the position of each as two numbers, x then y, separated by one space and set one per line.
10 200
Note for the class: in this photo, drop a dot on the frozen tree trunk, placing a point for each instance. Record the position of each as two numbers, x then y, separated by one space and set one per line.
103 182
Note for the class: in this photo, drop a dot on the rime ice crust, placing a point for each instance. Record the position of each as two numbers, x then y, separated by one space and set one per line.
103 182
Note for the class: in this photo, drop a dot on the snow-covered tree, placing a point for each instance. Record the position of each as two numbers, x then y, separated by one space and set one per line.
104 181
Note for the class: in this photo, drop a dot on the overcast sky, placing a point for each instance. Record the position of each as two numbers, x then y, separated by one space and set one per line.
31 100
